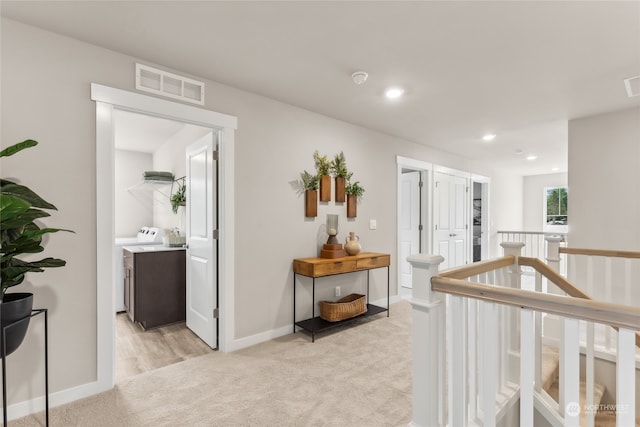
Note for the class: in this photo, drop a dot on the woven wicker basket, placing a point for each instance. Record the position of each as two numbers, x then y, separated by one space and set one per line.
345 308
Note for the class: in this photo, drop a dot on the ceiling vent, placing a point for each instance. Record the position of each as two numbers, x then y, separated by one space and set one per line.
633 86
167 84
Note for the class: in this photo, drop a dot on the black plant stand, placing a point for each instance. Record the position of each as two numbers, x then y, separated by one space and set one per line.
34 313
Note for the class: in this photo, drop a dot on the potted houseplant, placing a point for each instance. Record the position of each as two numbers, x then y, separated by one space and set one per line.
19 208
341 174
179 198
354 191
323 167
310 185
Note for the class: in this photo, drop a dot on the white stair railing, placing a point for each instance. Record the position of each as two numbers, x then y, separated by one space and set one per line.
470 333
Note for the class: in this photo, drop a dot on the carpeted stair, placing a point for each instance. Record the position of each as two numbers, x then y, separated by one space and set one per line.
550 375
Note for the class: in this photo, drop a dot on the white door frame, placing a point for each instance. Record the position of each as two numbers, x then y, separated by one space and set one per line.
107 99
426 169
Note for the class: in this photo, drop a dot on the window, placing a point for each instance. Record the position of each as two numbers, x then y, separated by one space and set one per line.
555 218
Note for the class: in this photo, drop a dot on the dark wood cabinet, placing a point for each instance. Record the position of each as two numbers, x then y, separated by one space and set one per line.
155 287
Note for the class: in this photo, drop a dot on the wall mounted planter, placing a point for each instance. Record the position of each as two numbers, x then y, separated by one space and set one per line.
325 188
340 189
352 205
310 203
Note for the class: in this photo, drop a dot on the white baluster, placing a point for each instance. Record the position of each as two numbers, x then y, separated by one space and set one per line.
625 379
474 368
458 365
570 373
608 275
490 361
589 377
428 328
538 339
526 367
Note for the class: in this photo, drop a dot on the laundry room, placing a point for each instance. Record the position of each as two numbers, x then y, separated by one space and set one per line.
150 225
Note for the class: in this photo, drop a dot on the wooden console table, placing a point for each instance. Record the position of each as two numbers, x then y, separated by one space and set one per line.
321 267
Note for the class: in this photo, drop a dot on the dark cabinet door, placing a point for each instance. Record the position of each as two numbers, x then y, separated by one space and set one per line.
155 287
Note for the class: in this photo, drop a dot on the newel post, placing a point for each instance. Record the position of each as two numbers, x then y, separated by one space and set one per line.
553 251
428 342
514 271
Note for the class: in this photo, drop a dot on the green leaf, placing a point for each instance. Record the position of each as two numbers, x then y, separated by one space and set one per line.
10 151
27 217
26 194
11 207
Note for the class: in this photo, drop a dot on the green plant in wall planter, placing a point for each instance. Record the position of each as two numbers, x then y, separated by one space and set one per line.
20 207
179 198
310 185
354 191
323 167
341 174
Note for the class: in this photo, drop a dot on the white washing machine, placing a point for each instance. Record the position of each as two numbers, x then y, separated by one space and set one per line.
145 236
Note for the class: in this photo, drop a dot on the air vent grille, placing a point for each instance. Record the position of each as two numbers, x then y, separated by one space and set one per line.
633 86
167 84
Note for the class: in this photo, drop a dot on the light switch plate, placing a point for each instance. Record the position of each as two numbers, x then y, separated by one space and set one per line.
373 224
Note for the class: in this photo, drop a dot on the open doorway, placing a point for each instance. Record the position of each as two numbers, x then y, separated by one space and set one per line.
107 101
480 218
150 229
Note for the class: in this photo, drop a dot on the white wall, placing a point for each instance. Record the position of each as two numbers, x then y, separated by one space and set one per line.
604 181
170 157
133 208
46 95
533 198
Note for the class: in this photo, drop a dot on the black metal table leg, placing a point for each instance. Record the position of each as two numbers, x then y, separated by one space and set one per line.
294 303
313 310
388 298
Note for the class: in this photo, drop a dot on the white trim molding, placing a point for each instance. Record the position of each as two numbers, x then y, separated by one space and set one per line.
107 99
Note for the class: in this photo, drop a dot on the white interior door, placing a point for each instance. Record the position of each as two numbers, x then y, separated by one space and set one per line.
409 223
450 219
202 252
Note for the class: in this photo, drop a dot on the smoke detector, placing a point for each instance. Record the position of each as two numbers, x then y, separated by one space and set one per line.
359 77
632 85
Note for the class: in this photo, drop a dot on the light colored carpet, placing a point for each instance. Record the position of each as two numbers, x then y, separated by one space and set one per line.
353 376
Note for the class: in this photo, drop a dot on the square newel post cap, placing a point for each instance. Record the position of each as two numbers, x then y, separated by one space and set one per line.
554 239
512 248
425 260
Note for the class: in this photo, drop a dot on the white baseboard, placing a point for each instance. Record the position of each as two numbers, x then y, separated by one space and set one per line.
383 302
28 407
259 338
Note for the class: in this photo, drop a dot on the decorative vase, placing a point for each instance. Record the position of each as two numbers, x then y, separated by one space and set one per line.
340 189
310 203
15 306
352 204
325 188
352 245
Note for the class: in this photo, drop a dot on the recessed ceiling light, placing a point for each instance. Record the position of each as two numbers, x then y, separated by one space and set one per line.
489 137
555 169
532 157
394 92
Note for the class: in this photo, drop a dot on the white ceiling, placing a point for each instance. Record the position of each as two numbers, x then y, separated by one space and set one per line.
517 69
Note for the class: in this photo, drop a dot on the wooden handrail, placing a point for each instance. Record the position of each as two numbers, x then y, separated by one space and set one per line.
476 268
559 281
600 252
553 276
578 308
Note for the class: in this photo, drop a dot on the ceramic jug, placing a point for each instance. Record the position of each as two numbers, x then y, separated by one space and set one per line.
352 246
